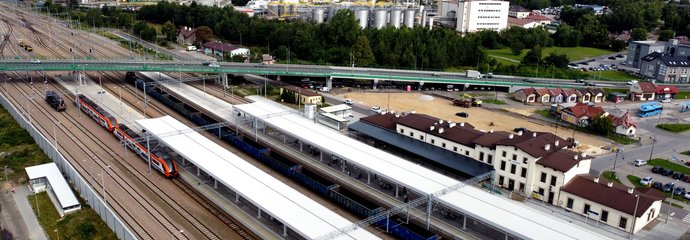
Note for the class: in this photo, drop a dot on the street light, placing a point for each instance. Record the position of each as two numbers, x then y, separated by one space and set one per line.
105 198
57 234
6 179
670 204
635 215
55 135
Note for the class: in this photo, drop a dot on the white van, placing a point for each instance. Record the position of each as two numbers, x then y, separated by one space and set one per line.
640 162
191 48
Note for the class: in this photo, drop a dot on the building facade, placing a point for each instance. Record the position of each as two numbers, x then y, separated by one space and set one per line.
665 68
478 15
186 36
639 49
518 11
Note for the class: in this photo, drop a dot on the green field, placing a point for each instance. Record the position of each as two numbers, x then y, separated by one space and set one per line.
18 148
573 53
666 164
82 224
612 75
674 127
611 176
635 180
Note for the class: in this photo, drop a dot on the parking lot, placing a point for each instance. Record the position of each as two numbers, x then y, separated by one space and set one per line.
661 178
606 62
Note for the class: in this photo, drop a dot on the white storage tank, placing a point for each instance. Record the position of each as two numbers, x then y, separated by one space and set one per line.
408 20
395 18
362 16
380 18
317 15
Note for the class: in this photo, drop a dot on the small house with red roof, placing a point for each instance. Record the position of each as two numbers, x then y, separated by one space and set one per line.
582 114
539 19
543 95
570 95
556 95
526 95
642 91
666 92
624 125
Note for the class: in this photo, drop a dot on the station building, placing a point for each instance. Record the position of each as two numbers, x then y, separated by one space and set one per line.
535 164
47 177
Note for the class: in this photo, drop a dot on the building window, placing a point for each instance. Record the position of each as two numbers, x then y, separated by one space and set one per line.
604 215
543 177
500 180
411 134
514 157
432 141
443 144
421 137
504 153
523 173
553 180
623 223
569 204
481 156
491 159
467 152
586 209
512 168
524 160
522 187
402 130
541 192
455 149
503 165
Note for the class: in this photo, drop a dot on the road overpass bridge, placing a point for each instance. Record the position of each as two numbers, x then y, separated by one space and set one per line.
328 72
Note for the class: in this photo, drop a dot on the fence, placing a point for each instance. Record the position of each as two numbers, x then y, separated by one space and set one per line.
85 190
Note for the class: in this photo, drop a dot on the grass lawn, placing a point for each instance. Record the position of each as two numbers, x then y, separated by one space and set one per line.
621 139
83 224
674 127
683 95
612 75
494 101
666 164
21 150
573 53
544 112
686 152
635 180
611 176
505 62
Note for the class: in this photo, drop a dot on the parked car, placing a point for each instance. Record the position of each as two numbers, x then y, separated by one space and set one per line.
667 172
657 169
668 100
612 58
679 191
619 55
686 179
668 187
462 114
646 181
520 129
631 82
613 66
687 163
214 65
678 176
206 63
687 195
35 61
376 109
640 162
657 185
349 101
590 84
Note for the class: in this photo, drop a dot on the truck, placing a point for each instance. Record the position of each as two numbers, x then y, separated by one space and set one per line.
473 74
21 42
467 101
55 101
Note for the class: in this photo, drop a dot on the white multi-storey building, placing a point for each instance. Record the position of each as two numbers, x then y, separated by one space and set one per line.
477 15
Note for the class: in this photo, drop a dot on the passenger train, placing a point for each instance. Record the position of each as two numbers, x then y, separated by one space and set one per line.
160 160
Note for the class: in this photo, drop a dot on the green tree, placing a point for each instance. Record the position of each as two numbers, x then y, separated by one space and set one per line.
665 35
139 27
361 51
638 34
566 36
602 125
533 56
557 60
149 34
169 30
516 48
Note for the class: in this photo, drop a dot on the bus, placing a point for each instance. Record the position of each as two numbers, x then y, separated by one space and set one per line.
650 109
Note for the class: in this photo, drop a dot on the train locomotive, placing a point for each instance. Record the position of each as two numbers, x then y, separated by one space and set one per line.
160 160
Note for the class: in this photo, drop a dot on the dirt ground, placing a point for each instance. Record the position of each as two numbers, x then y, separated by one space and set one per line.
479 117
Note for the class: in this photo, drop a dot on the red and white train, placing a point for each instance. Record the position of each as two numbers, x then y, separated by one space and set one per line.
160 160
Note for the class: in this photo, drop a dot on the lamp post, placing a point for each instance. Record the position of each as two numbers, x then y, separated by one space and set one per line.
632 230
55 135
57 234
670 204
105 198
6 180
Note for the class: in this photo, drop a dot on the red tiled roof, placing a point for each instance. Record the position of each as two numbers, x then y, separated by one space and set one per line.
616 196
463 133
562 160
667 90
519 21
219 46
304 91
386 121
595 91
528 91
555 91
581 110
624 120
186 32
542 91
647 87
534 145
570 92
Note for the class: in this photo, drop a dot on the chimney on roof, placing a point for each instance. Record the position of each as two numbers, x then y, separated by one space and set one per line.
534 134
596 180
610 184
440 130
556 143
510 136
462 124
397 115
547 147
631 190
575 157
440 121
584 154
451 124
413 112
491 131
519 133
431 128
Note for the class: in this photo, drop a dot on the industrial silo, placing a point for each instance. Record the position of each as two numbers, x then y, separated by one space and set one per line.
408 20
395 18
362 15
317 15
380 18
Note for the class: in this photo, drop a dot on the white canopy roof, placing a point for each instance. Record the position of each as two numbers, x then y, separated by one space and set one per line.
498 211
58 183
297 211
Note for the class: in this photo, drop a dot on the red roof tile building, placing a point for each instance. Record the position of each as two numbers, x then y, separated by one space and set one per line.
642 91
624 125
611 203
666 92
558 95
582 114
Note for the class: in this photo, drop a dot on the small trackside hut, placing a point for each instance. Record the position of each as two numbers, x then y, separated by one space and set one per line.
47 177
